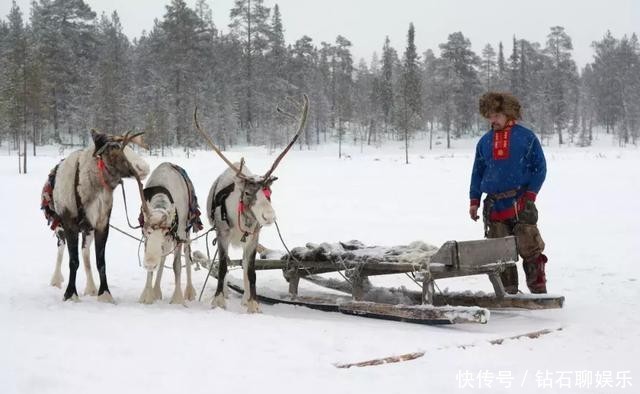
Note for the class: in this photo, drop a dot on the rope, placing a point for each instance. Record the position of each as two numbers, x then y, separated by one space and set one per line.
202 235
208 273
126 209
125 233
291 256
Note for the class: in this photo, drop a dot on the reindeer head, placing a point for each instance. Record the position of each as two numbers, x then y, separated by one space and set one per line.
255 191
120 161
255 197
159 225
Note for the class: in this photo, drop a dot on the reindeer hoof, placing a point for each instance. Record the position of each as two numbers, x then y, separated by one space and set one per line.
219 301
57 280
177 298
189 293
73 298
147 297
106 297
253 307
157 293
90 290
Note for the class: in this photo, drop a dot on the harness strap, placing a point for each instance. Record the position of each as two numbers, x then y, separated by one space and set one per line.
219 201
151 191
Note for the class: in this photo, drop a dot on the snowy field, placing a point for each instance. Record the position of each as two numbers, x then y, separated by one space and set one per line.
589 218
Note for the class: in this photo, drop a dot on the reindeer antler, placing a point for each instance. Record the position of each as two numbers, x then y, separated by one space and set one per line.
213 146
303 122
134 138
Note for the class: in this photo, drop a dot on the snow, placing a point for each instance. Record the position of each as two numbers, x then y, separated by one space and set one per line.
588 218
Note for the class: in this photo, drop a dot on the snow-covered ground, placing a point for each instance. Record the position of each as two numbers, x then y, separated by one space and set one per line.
589 218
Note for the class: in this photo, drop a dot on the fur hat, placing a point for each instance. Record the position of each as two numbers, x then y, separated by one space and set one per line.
498 102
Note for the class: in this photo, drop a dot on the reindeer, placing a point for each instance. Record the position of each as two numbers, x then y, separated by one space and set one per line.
238 205
78 199
169 211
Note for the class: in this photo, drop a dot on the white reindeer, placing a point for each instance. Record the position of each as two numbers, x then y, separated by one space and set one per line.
78 198
238 205
167 221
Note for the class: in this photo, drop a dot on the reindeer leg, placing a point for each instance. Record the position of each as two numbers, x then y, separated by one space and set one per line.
147 296
72 246
190 291
177 298
249 270
104 295
218 299
90 288
157 290
57 278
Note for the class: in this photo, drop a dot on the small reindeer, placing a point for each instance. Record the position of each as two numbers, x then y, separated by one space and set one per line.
169 212
238 205
78 198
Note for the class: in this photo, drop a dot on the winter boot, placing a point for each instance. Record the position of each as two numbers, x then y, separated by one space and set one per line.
534 271
509 279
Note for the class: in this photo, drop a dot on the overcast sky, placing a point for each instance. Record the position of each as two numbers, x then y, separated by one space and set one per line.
366 22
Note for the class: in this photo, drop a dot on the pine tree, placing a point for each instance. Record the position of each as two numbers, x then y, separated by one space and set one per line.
112 79
514 59
410 91
386 83
501 83
249 24
561 78
488 67
457 51
65 41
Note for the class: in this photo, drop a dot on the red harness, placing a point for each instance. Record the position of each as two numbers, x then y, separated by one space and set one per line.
101 169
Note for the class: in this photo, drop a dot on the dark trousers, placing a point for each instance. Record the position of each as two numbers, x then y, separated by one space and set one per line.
530 247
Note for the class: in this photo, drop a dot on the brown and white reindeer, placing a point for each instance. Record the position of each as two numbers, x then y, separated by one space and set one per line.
169 212
78 198
238 205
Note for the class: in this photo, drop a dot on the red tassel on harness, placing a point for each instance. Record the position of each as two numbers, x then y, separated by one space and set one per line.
267 193
240 207
101 169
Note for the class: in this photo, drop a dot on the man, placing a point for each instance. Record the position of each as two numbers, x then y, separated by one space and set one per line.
510 168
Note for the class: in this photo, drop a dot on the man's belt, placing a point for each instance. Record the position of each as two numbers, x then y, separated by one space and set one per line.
503 195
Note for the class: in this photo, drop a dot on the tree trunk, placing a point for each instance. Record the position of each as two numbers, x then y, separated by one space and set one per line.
560 135
24 153
339 138
406 145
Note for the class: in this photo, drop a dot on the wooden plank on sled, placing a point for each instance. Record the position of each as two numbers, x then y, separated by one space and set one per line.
469 254
423 314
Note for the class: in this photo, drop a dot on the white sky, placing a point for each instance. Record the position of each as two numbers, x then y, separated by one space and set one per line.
366 22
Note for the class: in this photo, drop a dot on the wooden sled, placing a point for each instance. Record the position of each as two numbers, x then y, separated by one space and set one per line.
453 259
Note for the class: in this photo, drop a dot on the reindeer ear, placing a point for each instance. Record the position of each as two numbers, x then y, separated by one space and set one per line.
99 140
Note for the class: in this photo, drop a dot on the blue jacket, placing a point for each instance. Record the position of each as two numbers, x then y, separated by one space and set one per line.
525 169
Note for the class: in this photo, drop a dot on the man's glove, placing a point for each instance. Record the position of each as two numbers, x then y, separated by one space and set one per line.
530 213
